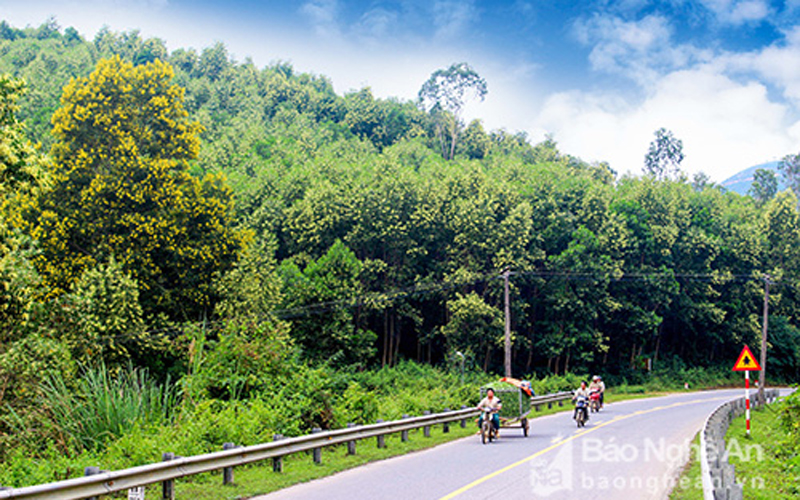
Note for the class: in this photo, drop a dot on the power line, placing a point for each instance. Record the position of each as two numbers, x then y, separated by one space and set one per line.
377 298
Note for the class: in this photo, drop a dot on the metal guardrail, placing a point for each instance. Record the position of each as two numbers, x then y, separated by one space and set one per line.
717 474
549 399
107 482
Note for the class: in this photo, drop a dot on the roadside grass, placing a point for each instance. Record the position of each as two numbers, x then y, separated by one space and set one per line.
758 460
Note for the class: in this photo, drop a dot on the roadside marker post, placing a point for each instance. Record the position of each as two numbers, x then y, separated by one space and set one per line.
746 363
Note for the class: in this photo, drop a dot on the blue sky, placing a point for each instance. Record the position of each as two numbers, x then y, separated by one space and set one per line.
599 76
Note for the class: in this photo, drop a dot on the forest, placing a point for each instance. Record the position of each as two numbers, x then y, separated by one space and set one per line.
216 231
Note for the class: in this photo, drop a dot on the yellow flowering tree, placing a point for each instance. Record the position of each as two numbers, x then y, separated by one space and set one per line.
122 188
22 174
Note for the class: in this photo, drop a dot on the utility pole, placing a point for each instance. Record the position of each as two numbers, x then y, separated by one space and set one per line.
506 274
762 376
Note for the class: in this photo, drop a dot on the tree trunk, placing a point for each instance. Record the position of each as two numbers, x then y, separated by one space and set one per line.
529 362
658 344
390 320
454 141
398 334
386 339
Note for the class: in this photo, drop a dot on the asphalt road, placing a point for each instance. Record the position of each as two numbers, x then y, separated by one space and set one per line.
630 450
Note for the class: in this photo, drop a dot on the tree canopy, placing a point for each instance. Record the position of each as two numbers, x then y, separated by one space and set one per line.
444 96
122 190
664 156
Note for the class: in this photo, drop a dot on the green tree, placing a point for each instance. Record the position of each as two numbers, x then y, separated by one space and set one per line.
122 188
764 185
789 166
251 288
22 169
22 175
474 328
444 95
476 142
106 318
782 231
323 294
663 159
383 122
700 181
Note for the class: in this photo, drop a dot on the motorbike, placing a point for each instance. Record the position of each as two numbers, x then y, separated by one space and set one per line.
582 411
594 401
488 431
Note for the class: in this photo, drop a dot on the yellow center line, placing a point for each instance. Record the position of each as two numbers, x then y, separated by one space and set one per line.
525 460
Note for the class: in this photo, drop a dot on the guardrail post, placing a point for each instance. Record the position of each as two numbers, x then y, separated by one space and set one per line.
351 445
91 471
464 420
381 438
426 431
316 452
404 434
446 425
227 472
168 486
277 462
735 492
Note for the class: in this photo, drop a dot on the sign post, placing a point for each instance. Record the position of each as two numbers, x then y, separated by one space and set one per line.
746 363
136 493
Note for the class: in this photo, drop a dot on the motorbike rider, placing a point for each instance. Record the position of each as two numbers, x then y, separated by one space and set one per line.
583 392
491 403
599 386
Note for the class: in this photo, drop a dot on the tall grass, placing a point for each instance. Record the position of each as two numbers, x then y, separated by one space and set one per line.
105 405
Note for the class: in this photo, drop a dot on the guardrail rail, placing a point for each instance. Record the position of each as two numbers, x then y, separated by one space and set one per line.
548 399
718 475
106 482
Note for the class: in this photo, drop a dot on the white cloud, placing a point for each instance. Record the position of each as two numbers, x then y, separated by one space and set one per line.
725 126
376 24
777 65
322 14
738 12
640 50
452 17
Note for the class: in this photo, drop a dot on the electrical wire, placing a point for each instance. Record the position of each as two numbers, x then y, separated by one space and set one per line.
377 298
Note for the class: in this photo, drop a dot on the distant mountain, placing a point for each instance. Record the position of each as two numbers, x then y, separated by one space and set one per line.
740 182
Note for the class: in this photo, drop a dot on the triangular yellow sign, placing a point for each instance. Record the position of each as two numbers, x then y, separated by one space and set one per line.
746 362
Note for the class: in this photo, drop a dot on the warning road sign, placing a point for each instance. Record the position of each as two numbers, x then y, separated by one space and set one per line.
746 362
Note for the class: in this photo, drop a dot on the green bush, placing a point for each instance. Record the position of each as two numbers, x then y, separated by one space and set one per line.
51 464
24 364
790 415
357 405
241 361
